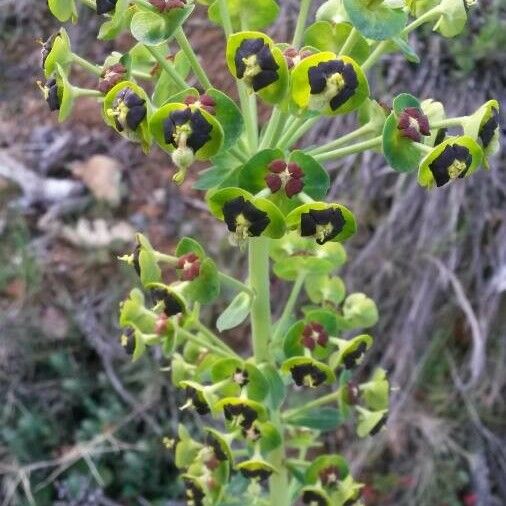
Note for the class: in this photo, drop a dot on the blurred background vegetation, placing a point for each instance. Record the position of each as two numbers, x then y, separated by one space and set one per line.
81 425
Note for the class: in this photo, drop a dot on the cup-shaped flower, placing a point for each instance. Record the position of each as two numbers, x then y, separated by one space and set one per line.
322 221
198 397
483 126
143 260
220 445
56 50
188 133
293 254
285 178
171 302
328 470
242 412
59 93
328 84
242 376
315 496
246 216
308 372
311 335
253 58
194 491
370 422
186 449
348 492
405 125
375 393
358 311
351 352
105 6
454 158
127 108
453 17
256 469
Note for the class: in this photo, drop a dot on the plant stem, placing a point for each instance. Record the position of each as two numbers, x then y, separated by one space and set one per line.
225 17
333 396
350 42
213 338
291 129
248 106
86 92
375 55
448 122
341 140
305 5
427 16
305 198
271 128
278 482
168 67
185 45
307 125
348 150
238 155
85 64
290 304
202 342
234 283
89 3
259 279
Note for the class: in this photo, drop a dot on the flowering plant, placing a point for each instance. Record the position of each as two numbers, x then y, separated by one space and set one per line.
259 423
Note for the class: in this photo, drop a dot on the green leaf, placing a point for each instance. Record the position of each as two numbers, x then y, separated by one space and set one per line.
406 49
63 10
277 390
322 419
258 14
118 22
60 53
378 22
237 311
228 115
152 28
188 245
322 288
326 36
150 272
206 287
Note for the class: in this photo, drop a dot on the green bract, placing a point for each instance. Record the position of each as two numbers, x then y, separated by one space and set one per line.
63 10
118 20
453 17
308 372
259 14
351 352
359 311
328 84
326 36
154 28
266 74
323 463
376 19
115 113
56 51
461 163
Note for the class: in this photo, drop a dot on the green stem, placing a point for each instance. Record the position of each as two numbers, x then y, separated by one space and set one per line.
290 131
225 17
423 148
326 399
85 64
305 5
427 16
341 140
238 155
259 279
271 128
351 40
248 107
448 122
375 55
305 198
213 338
185 45
142 75
299 132
201 342
278 482
282 123
233 283
89 3
85 92
348 150
289 307
168 67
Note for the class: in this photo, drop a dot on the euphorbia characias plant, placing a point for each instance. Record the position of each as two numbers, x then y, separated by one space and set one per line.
263 412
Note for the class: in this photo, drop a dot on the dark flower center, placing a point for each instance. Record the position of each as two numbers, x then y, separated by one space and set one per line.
308 375
111 76
197 400
194 493
256 64
52 92
488 129
313 498
256 473
187 128
128 110
214 443
329 476
352 358
288 177
105 6
252 434
244 219
352 393
167 5
334 81
413 123
451 164
189 266
379 425
323 225
242 414
172 304
314 333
